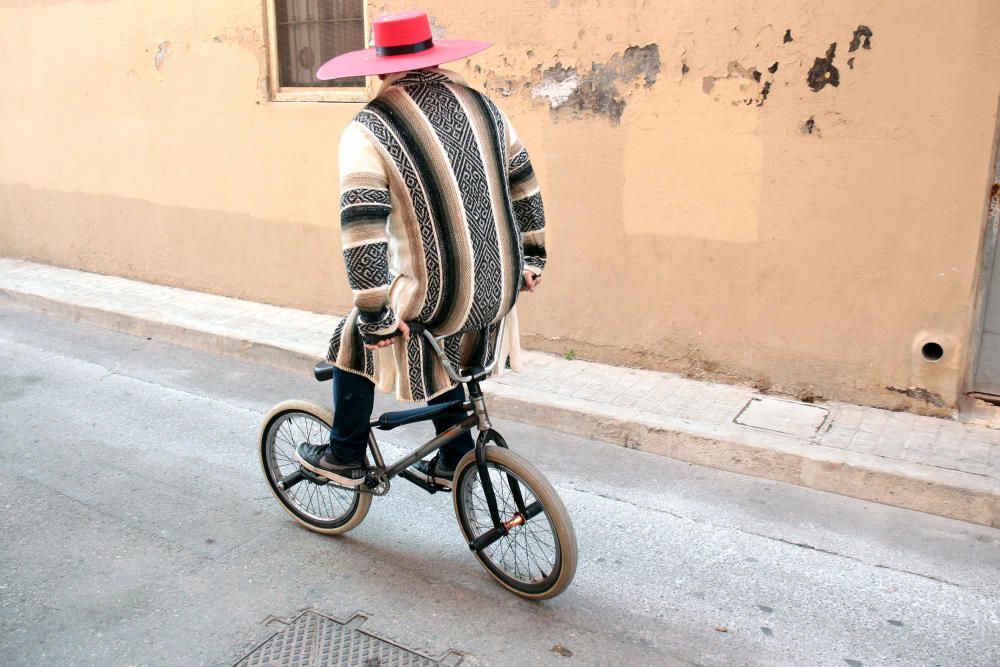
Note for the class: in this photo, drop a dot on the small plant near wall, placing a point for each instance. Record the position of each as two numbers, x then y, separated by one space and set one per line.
569 355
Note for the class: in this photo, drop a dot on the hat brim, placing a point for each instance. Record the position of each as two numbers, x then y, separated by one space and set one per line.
368 63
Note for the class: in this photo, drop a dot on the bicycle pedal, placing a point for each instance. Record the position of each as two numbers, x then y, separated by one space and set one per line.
318 480
422 483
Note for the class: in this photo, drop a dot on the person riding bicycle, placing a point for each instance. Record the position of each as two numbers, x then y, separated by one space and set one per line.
441 222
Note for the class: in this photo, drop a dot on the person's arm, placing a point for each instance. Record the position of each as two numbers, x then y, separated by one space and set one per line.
528 209
364 214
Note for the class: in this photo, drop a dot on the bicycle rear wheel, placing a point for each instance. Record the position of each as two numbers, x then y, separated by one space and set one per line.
323 508
537 558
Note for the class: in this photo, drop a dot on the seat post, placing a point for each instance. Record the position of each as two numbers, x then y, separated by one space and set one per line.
376 452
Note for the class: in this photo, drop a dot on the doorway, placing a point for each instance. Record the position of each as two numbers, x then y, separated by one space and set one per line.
986 379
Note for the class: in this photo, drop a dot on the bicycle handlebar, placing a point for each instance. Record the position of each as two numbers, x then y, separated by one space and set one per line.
417 329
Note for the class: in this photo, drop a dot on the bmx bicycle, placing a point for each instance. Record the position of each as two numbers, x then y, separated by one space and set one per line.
509 514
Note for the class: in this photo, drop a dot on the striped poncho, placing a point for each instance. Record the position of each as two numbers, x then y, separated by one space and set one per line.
440 216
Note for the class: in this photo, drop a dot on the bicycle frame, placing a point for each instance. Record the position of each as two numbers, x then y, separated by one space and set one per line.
476 405
402 464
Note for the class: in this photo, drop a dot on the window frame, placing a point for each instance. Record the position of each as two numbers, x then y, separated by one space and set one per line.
279 93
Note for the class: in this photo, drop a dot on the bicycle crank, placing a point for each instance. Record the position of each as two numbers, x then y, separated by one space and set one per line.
375 482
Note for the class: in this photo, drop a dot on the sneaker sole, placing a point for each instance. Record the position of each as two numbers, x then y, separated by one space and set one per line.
343 481
442 482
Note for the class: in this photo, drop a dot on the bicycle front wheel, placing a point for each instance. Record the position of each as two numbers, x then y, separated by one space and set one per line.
323 508
536 559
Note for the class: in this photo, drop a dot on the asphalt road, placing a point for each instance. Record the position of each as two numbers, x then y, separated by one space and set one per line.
137 529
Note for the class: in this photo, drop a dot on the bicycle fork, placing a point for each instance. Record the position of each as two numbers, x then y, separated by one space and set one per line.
486 435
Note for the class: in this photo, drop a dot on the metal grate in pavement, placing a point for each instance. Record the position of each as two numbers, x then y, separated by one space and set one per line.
312 639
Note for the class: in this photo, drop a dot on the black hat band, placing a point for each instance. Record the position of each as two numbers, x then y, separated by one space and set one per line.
404 49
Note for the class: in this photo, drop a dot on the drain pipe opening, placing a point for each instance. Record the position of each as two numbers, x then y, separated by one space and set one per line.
932 351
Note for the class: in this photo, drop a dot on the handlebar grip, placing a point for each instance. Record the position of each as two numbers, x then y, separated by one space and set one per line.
416 328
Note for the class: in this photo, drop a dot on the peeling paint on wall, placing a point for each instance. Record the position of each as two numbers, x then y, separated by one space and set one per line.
862 39
738 79
919 394
161 54
764 92
864 32
823 72
437 30
557 86
597 91
605 88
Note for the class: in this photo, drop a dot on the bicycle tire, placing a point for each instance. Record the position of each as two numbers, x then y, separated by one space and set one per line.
553 514
354 504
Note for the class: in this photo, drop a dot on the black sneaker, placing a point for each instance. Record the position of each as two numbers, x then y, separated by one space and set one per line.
321 460
434 472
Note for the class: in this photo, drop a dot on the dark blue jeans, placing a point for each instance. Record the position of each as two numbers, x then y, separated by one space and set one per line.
353 401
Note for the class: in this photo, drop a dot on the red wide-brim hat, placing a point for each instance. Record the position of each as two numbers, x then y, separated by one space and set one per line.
403 42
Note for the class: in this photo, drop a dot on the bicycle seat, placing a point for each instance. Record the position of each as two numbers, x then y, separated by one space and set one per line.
391 420
323 371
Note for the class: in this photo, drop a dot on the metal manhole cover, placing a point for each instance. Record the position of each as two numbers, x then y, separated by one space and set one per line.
789 417
313 639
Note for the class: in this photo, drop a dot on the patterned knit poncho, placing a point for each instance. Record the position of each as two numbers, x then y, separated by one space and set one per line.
440 215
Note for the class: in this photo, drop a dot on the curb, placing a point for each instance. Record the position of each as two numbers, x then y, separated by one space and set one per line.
950 494
946 493
240 348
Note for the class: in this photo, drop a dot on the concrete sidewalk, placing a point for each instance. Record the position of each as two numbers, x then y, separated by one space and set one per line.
932 465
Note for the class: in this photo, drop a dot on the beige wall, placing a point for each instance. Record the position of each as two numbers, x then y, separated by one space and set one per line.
696 224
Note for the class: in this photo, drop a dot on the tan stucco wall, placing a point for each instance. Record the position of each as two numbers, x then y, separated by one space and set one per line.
696 224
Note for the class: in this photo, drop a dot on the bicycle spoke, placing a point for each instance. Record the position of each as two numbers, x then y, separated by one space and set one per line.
522 537
523 554
296 490
330 501
298 427
310 494
322 495
536 538
532 556
481 502
286 436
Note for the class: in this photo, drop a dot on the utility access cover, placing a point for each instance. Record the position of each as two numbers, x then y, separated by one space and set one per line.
789 417
314 640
